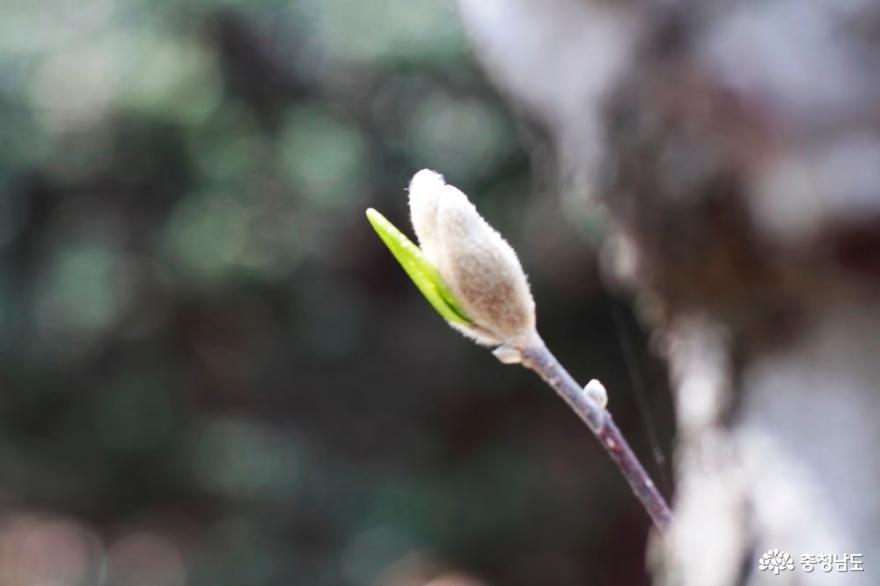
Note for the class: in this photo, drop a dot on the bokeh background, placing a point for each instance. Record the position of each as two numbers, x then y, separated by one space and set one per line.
211 370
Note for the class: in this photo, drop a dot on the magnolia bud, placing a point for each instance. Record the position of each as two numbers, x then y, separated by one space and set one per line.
596 391
425 191
478 266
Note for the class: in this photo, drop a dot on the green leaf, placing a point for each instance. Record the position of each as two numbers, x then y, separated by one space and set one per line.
422 272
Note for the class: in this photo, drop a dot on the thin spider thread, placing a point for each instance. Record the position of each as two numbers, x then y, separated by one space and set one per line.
637 382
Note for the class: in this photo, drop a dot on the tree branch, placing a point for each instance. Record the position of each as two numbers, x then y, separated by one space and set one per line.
538 358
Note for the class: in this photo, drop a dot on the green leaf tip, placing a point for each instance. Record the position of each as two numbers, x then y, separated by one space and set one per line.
422 272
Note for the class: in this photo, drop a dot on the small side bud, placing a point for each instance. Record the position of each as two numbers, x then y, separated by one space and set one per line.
508 354
597 392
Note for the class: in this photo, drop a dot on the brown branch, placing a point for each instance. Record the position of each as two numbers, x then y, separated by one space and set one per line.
538 358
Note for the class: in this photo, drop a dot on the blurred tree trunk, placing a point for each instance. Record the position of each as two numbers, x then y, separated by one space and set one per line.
737 146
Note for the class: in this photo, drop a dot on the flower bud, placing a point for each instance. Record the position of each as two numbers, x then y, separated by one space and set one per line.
478 266
425 191
596 391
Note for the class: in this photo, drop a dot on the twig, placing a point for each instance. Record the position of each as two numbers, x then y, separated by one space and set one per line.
538 358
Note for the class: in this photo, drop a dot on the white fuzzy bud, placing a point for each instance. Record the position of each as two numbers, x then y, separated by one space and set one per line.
425 191
478 266
597 392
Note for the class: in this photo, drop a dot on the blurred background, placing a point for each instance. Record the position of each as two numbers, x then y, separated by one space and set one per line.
211 370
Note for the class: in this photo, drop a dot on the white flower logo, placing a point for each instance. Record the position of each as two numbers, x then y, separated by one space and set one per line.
776 561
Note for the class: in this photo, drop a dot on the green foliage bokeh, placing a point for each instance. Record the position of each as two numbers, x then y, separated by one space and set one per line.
202 342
